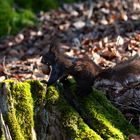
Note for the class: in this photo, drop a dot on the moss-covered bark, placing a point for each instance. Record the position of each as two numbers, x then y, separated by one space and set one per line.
30 113
20 107
70 121
90 116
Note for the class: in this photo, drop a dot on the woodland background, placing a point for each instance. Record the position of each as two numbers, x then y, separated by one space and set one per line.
109 36
16 14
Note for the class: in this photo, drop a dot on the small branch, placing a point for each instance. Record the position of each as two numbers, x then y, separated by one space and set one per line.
4 67
127 107
5 128
91 4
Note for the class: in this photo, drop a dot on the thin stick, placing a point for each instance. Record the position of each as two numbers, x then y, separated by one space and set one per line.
5 127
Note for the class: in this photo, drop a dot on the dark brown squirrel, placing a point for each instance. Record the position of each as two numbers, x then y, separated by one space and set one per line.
84 70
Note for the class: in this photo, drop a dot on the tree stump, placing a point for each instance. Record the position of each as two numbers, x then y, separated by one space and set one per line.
30 111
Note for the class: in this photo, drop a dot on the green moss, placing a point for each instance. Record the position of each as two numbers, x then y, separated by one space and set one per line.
24 108
38 91
24 102
116 117
10 115
18 14
19 115
104 118
11 19
6 14
52 95
2 137
73 124
95 119
26 18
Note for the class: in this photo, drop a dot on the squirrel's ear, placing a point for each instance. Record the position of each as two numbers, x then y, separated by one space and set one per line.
52 47
54 44
55 47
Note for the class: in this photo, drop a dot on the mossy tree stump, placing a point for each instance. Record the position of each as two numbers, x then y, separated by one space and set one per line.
30 112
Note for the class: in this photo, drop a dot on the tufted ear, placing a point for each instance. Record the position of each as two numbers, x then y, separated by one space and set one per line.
54 45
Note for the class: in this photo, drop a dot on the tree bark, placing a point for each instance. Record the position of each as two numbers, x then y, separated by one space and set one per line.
30 111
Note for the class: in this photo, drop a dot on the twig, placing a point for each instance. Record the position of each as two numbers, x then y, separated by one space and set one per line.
127 107
4 66
91 4
5 127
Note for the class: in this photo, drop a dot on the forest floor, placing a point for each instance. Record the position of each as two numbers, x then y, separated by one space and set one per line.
109 36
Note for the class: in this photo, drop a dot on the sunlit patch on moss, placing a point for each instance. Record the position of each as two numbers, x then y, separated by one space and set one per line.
73 124
38 91
19 115
104 118
52 95
23 104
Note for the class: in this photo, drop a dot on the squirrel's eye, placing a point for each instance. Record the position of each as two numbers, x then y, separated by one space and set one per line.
48 62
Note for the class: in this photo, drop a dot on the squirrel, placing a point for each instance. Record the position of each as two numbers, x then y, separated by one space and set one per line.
84 70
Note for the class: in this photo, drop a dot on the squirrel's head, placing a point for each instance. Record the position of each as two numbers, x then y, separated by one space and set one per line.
49 57
51 61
